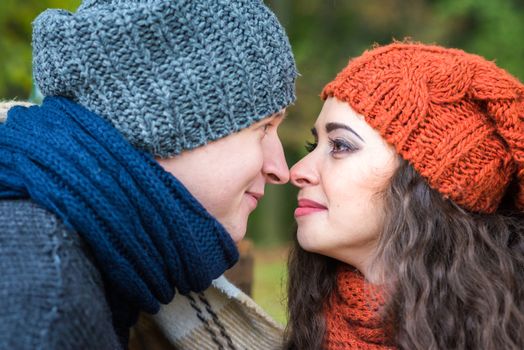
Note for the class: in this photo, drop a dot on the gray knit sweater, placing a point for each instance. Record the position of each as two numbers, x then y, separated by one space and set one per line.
51 294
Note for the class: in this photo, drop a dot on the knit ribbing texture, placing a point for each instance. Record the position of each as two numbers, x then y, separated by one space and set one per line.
353 319
148 234
456 117
169 75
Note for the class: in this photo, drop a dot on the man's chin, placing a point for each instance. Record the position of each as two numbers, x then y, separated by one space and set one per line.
237 232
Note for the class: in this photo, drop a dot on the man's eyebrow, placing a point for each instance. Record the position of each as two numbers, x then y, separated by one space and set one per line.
334 126
314 132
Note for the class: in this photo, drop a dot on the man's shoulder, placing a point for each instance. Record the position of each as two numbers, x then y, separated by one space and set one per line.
29 237
32 236
51 291
20 214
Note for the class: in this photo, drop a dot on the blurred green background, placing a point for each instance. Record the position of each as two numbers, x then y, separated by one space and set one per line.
324 34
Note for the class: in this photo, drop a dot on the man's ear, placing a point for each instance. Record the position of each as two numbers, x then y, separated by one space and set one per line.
6 105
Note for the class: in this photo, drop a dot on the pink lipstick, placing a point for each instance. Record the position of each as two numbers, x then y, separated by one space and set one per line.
306 207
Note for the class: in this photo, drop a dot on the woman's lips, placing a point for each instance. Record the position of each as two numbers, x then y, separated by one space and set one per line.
307 206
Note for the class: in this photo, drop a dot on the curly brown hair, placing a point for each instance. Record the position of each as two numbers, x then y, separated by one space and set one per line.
455 279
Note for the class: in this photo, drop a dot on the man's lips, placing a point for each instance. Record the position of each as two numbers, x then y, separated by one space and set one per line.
255 196
307 206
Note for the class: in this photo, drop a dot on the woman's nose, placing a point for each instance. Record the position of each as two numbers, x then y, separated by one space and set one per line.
303 174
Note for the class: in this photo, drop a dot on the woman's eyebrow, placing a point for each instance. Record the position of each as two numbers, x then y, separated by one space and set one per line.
333 126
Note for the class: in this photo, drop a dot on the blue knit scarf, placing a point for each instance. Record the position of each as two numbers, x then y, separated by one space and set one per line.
148 234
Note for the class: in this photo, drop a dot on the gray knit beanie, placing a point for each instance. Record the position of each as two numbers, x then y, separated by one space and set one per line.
170 75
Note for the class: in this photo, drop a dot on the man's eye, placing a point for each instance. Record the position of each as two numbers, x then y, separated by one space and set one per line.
310 146
265 127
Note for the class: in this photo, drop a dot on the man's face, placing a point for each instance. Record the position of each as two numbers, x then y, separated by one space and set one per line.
228 176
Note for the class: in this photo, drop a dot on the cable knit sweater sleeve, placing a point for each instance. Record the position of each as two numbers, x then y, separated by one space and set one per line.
51 294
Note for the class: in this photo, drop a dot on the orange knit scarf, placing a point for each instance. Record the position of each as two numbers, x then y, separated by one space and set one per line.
352 315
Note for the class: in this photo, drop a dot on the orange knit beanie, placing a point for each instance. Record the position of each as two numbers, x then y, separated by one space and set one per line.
456 117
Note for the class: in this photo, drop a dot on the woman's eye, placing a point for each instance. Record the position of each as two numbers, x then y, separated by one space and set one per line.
341 146
310 146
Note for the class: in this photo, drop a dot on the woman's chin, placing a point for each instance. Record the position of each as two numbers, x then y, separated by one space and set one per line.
305 241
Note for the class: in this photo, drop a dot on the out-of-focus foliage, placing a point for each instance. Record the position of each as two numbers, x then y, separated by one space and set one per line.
15 43
324 34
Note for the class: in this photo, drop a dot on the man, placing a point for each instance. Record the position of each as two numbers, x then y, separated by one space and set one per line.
138 172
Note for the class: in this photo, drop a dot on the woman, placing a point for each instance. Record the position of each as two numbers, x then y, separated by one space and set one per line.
410 230
137 174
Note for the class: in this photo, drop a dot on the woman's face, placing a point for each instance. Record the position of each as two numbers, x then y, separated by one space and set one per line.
228 176
340 207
